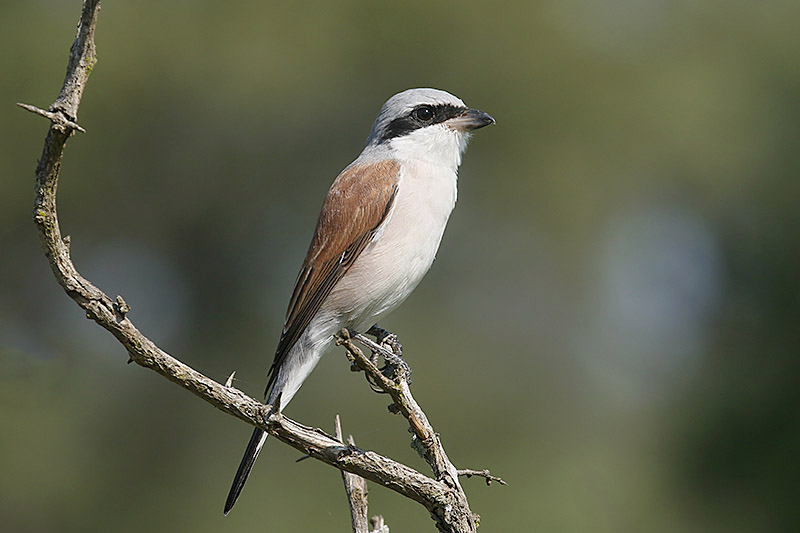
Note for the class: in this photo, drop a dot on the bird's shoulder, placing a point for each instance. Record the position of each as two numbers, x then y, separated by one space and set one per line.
356 204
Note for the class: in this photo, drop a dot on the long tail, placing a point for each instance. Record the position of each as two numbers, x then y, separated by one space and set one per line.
253 448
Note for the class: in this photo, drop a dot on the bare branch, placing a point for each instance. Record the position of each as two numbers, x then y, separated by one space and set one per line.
481 473
426 441
356 489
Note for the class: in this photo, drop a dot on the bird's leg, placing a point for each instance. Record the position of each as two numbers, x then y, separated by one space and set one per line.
393 353
375 331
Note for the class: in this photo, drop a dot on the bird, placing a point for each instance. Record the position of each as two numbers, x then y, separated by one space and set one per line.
376 237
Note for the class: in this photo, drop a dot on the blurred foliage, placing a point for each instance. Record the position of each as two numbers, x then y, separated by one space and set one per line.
611 324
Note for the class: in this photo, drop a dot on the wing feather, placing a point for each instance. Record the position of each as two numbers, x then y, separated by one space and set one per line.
357 204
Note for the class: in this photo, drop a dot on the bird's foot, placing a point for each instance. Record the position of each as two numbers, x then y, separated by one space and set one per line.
387 338
395 367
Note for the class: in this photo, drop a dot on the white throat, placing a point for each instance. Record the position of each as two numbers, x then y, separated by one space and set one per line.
438 145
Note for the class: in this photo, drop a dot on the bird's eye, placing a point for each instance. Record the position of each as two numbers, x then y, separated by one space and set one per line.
423 113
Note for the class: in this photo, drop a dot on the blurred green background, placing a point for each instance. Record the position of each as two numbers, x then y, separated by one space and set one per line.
611 324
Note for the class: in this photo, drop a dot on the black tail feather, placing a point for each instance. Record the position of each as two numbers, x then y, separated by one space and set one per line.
249 459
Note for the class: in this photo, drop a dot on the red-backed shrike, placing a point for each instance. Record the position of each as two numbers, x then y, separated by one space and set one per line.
376 237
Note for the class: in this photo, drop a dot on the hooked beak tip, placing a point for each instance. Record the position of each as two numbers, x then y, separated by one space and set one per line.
471 119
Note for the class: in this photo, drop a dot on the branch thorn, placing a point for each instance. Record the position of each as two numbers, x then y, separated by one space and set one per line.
121 307
57 119
481 473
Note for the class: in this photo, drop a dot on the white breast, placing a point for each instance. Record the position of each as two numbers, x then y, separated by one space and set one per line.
390 267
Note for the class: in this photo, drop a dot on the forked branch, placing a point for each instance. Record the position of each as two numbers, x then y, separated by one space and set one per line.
442 496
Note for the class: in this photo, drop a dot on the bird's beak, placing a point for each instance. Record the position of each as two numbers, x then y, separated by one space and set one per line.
469 120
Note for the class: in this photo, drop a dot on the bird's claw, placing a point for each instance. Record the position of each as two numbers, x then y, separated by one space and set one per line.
395 367
387 338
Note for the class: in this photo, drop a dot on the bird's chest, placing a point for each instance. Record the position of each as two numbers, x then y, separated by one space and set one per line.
425 198
403 250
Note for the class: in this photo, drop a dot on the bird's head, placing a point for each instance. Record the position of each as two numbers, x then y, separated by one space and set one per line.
426 124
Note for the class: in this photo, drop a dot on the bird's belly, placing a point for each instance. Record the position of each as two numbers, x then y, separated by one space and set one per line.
392 265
